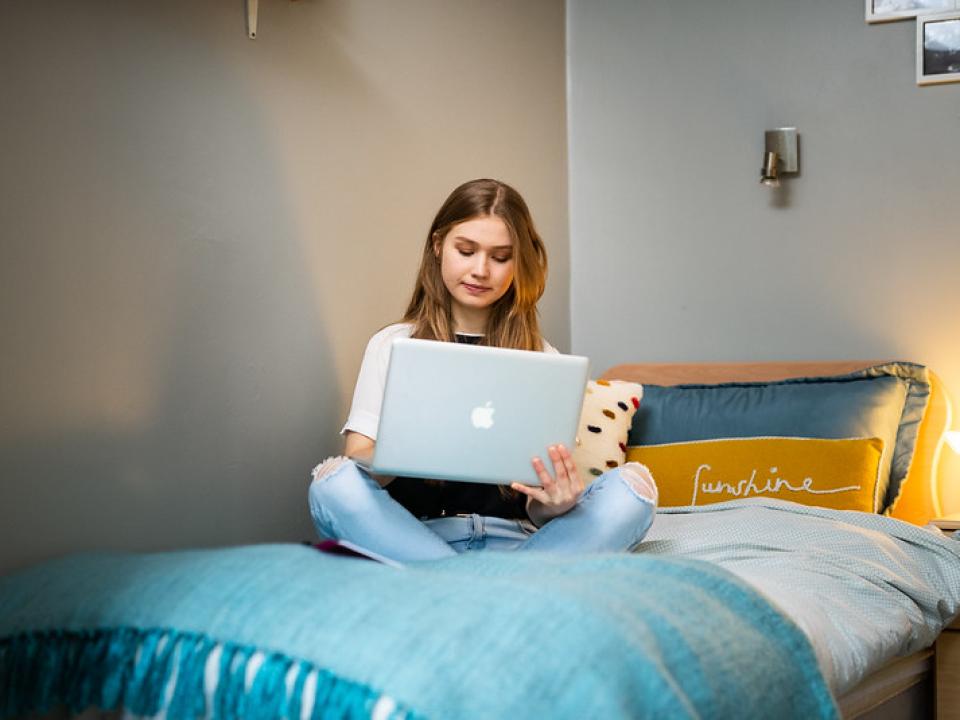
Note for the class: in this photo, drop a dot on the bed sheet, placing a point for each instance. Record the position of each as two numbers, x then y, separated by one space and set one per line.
864 588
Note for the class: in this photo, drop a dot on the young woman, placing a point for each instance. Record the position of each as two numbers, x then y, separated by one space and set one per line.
483 270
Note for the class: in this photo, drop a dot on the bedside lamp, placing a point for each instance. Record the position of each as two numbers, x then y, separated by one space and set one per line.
953 440
950 522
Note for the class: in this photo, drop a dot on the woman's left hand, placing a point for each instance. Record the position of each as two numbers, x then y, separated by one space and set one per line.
555 496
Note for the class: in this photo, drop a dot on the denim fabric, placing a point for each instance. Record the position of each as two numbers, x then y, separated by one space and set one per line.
348 504
481 532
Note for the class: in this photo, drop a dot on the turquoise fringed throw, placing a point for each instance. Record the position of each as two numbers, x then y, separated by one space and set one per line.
276 631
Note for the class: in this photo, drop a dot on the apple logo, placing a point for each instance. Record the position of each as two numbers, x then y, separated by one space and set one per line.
482 417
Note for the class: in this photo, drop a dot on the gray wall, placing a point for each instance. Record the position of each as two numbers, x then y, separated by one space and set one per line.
680 255
198 233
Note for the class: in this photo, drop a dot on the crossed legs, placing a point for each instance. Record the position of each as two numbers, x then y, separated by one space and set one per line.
612 515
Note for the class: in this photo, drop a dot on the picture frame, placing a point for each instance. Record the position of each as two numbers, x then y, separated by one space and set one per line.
878 11
938 48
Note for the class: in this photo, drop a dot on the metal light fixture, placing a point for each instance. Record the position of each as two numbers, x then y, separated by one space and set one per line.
779 155
769 174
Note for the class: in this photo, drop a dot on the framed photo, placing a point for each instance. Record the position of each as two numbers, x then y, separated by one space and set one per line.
938 48
887 10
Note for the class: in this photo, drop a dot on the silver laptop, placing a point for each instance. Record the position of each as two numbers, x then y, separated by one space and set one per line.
476 414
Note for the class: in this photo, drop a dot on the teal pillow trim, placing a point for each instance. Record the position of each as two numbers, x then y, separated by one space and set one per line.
148 671
917 380
886 401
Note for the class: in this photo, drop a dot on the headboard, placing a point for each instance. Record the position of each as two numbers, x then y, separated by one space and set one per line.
919 499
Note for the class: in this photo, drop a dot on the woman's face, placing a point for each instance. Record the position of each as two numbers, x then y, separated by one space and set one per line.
477 266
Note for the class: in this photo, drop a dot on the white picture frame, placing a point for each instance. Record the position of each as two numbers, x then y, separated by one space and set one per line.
878 11
938 48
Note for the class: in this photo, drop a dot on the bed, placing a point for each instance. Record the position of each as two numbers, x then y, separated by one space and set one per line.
711 617
922 683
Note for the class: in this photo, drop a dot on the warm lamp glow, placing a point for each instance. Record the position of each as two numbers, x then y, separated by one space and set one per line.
953 440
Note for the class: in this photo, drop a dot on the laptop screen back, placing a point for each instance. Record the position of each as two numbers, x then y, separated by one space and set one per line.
473 413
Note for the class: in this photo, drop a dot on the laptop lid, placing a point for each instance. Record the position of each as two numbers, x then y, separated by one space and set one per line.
472 413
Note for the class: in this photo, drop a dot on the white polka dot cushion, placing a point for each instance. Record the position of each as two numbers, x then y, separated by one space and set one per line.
608 408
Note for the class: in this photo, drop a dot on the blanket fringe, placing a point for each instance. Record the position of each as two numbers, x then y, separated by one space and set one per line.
146 672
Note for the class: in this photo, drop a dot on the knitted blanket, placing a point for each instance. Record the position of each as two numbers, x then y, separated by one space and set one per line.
283 631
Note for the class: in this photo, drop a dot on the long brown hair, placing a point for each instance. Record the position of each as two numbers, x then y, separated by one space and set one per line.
513 321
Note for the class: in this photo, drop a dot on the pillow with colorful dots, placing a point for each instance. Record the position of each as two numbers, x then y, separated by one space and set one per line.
608 408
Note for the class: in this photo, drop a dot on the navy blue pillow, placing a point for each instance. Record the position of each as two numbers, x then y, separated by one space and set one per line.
885 401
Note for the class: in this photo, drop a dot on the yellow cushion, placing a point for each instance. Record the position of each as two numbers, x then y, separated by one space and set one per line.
839 474
608 408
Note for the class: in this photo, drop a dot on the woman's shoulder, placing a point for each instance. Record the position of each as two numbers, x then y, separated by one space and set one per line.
548 348
401 329
380 342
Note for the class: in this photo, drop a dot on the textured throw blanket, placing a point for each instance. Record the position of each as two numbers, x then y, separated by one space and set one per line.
285 631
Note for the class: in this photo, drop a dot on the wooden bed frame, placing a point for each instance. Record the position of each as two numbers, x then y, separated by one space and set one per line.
922 685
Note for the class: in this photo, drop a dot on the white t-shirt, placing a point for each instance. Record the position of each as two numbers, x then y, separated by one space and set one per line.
364 416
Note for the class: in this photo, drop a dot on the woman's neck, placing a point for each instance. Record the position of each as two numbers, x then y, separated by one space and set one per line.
470 321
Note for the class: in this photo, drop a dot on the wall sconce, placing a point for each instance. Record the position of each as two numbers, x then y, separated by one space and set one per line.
779 155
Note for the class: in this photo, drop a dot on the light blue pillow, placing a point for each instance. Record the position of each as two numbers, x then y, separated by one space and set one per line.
885 401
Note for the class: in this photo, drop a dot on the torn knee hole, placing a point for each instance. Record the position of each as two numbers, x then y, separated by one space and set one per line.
640 478
329 466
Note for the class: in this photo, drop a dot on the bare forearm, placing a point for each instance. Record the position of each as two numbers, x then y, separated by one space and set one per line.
360 447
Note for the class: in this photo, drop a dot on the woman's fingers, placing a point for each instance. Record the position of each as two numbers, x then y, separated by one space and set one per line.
568 481
547 482
559 489
531 491
566 484
576 482
555 495
559 469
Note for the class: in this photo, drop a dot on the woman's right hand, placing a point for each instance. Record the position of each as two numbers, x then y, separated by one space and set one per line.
556 495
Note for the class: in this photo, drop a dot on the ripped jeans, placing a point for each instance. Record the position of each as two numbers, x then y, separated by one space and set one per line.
612 515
